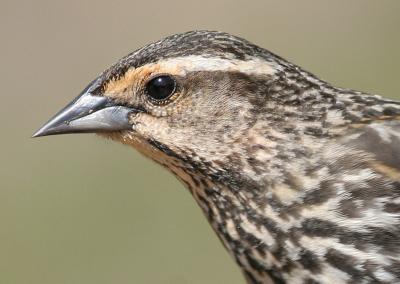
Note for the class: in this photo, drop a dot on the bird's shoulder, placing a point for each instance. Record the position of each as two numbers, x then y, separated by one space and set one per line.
364 167
350 206
376 143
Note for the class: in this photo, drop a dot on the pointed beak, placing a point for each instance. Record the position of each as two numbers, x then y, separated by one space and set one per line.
88 113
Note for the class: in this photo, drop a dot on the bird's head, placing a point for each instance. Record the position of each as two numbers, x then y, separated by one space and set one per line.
195 97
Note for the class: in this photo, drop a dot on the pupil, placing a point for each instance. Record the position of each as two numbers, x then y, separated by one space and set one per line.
161 87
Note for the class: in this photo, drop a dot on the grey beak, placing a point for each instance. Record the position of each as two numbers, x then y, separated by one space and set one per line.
88 113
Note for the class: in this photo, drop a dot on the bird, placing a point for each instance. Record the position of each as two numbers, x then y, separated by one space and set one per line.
300 179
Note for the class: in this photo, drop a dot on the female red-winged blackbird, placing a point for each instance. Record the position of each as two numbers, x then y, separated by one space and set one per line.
300 179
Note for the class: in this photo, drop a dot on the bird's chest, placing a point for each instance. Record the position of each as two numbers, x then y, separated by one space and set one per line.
250 232
285 234
255 241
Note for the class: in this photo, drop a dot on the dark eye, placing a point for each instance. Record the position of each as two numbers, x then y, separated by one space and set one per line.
161 87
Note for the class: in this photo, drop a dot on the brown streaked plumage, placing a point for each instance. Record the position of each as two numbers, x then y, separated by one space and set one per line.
299 178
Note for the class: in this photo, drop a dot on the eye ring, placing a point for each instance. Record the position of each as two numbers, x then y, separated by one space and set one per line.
160 87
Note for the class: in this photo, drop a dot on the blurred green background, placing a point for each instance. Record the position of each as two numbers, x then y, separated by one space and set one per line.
79 209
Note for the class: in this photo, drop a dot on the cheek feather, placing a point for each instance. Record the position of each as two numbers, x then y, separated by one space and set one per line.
139 140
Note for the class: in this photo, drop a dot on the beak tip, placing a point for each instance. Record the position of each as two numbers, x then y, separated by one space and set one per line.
46 130
39 133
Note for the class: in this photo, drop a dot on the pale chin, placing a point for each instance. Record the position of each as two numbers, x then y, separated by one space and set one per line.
122 136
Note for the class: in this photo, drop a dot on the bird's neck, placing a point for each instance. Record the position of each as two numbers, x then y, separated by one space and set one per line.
245 202
249 220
